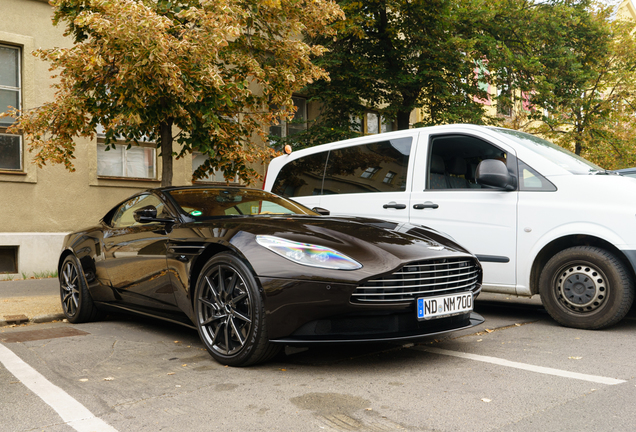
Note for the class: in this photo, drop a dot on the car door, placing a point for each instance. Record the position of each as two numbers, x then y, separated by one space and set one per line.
370 179
446 197
135 256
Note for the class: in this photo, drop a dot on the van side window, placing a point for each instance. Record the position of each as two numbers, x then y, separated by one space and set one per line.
302 176
531 180
454 159
376 167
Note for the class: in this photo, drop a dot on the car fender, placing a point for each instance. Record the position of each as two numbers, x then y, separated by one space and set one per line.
569 229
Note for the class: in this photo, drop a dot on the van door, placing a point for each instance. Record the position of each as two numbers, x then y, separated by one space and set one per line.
370 179
446 197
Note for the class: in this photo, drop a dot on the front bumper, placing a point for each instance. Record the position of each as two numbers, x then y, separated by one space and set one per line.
300 311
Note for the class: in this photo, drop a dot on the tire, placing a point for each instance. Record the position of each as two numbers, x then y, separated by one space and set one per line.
229 313
77 303
586 287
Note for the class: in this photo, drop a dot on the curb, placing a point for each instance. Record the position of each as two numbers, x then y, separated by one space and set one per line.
48 318
35 320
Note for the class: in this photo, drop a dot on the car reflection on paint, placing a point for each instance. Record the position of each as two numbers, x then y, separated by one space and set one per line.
252 271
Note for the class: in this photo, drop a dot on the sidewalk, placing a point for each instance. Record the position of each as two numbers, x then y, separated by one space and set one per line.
31 300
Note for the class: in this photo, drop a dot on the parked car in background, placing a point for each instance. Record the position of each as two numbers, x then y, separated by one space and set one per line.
252 272
627 172
540 219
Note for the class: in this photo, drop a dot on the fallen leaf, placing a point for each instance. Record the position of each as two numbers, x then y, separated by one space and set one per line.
489 331
284 370
170 373
184 365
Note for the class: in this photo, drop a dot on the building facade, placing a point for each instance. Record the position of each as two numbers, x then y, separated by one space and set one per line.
38 207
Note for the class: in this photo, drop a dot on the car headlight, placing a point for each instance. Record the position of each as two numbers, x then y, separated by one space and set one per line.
308 254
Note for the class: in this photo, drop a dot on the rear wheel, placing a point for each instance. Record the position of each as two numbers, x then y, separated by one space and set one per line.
230 315
77 303
586 287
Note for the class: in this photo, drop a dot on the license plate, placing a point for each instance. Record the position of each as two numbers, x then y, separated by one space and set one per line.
436 307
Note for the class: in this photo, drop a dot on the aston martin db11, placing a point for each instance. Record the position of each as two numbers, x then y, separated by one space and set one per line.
252 272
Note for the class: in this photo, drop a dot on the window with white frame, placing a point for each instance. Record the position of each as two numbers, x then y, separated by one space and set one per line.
296 125
199 159
10 96
375 123
138 161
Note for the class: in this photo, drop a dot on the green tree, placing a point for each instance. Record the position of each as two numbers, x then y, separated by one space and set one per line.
576 67
590 107
210 69
393 56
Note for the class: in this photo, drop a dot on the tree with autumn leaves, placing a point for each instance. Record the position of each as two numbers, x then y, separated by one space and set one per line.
577 71
566 69
206 74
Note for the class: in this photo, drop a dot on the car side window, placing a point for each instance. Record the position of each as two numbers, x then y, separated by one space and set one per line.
301 177
375 167
531 180
454 158
124 215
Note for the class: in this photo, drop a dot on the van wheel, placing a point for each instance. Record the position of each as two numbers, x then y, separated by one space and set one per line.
586 287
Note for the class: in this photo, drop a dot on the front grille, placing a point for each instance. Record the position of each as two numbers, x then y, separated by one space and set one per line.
421 279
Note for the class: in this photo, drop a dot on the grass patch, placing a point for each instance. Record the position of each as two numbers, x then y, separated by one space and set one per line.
44 274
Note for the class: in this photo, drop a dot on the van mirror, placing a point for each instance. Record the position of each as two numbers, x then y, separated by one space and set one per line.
494 173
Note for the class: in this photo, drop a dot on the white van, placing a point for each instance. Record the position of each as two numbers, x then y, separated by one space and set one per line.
540 219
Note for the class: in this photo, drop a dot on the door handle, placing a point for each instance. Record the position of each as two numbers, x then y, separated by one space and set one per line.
394 205
427 204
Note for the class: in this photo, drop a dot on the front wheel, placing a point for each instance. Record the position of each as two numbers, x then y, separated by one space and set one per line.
229 312
586 287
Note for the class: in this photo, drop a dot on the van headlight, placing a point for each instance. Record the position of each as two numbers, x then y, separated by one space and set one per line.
308 254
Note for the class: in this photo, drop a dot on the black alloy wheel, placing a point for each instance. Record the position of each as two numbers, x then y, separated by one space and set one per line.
77 303
586 287
229 311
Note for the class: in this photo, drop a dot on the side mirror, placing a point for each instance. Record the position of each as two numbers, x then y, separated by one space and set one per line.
494 173
148 214
322 211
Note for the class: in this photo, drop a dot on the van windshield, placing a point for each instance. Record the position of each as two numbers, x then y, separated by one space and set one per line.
560 156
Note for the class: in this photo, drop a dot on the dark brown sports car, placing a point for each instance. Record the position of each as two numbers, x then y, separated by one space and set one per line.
252 271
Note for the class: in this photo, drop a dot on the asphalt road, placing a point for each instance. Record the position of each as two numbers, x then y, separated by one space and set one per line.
518 372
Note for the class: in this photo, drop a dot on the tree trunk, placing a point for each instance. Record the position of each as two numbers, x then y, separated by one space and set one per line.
578 143
166 153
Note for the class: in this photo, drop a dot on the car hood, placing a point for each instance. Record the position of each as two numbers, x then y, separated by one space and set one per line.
380 246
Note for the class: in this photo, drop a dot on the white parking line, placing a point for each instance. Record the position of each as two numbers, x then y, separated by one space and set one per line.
72 412
524 366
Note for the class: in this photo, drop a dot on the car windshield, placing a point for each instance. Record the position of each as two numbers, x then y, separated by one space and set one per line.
560 156
205 203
